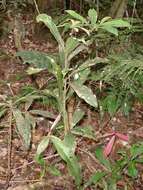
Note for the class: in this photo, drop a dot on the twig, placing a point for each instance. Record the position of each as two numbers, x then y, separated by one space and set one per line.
34 161
55 123
93 158
9 86
9 151
36 6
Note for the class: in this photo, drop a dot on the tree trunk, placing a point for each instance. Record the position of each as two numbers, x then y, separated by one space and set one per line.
118 8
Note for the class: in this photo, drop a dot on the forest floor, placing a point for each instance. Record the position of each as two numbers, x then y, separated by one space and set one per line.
21 165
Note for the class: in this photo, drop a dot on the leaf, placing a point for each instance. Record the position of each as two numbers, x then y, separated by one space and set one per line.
76 51
85 131
100 156
24 128
71 44
85 93
42 145
54 171
81 76
47 20
109 146
136 150
32 70
117 23
67 155
111 103
92 62
30 119
2 112
97 176
38 59
43 113
110 29
105 19
69 141
132 171
77 116
93 17
76 16
122 136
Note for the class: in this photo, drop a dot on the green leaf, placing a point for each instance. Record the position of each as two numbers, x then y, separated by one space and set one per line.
30 119
92 62
85 131
43 113
132 171
97 176
54 171
42 145
102 159
117 23
71 44
110 29
81 76
76 51
77 116
85 93
67 155
70 142
38 59
23 126
111 103
76 16
136 150
47 20
2 112
93 17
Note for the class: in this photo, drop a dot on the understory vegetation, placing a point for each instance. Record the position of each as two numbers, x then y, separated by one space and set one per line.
71 94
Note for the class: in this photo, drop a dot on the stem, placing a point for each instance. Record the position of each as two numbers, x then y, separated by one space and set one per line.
36 6
65 118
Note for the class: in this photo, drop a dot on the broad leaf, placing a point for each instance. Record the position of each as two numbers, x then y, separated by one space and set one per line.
47 20
42 145
70 142
100 156
77 116
81 76
109 146
85 93
85 131
54 171
136 150
38 59
68 156
97 176
110 29
76 16
92 62
118 23
71 44
32 70
23 126
30 119
105 19
132 171
77 50
93 17
43 113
